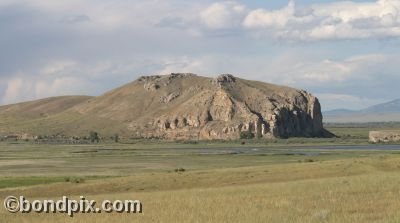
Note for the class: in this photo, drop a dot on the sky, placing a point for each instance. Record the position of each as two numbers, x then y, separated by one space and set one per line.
344 52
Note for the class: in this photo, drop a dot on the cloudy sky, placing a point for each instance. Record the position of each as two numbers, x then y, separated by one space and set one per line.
345 52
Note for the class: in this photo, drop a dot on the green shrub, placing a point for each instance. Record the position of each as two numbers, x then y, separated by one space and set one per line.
309 160
247 135
190 142
116 138
76 180
180 170
94 136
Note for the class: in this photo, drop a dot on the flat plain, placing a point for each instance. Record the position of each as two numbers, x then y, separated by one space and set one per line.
286 180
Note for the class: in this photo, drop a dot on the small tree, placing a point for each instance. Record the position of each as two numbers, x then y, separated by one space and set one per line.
247 135
94 137
116 138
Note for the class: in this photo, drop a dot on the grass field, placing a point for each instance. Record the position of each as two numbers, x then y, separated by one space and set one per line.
293 180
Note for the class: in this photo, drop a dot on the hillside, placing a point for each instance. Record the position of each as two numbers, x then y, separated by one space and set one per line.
385 108
176 106
385 112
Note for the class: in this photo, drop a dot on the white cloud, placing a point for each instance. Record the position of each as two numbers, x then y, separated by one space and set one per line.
223 15
60 86
15 88
95 46
56 78
57 67
287 16
101 15
23 89
183 65
73 19
325 21
339 20
67 77
311 71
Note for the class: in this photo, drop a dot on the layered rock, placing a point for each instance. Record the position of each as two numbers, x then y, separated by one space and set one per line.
180 106
229 106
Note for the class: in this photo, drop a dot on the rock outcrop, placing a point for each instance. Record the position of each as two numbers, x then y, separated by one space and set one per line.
183 106
384 136
229 106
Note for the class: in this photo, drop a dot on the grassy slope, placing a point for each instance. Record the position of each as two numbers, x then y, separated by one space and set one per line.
38 116
42 107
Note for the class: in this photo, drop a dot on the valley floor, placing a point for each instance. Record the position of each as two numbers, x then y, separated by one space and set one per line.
260 184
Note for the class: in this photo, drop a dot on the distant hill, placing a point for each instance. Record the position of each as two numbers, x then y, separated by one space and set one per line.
336 112
385 112
385 108
176 106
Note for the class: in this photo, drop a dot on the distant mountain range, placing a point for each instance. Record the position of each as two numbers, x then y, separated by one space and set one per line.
336 112
389 107
389 111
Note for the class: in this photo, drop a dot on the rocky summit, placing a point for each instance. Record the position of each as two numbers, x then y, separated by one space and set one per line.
179 106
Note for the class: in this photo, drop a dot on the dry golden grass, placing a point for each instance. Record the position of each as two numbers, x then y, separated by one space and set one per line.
348 190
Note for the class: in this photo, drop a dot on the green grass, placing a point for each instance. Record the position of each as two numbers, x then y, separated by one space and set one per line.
6 182
25 159
285 180
363 189
13 182
359 130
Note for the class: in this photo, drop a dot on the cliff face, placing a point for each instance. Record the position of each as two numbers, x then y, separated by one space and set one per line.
178 106
224 107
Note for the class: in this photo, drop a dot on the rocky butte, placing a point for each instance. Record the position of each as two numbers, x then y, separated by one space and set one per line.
384 136
187 107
